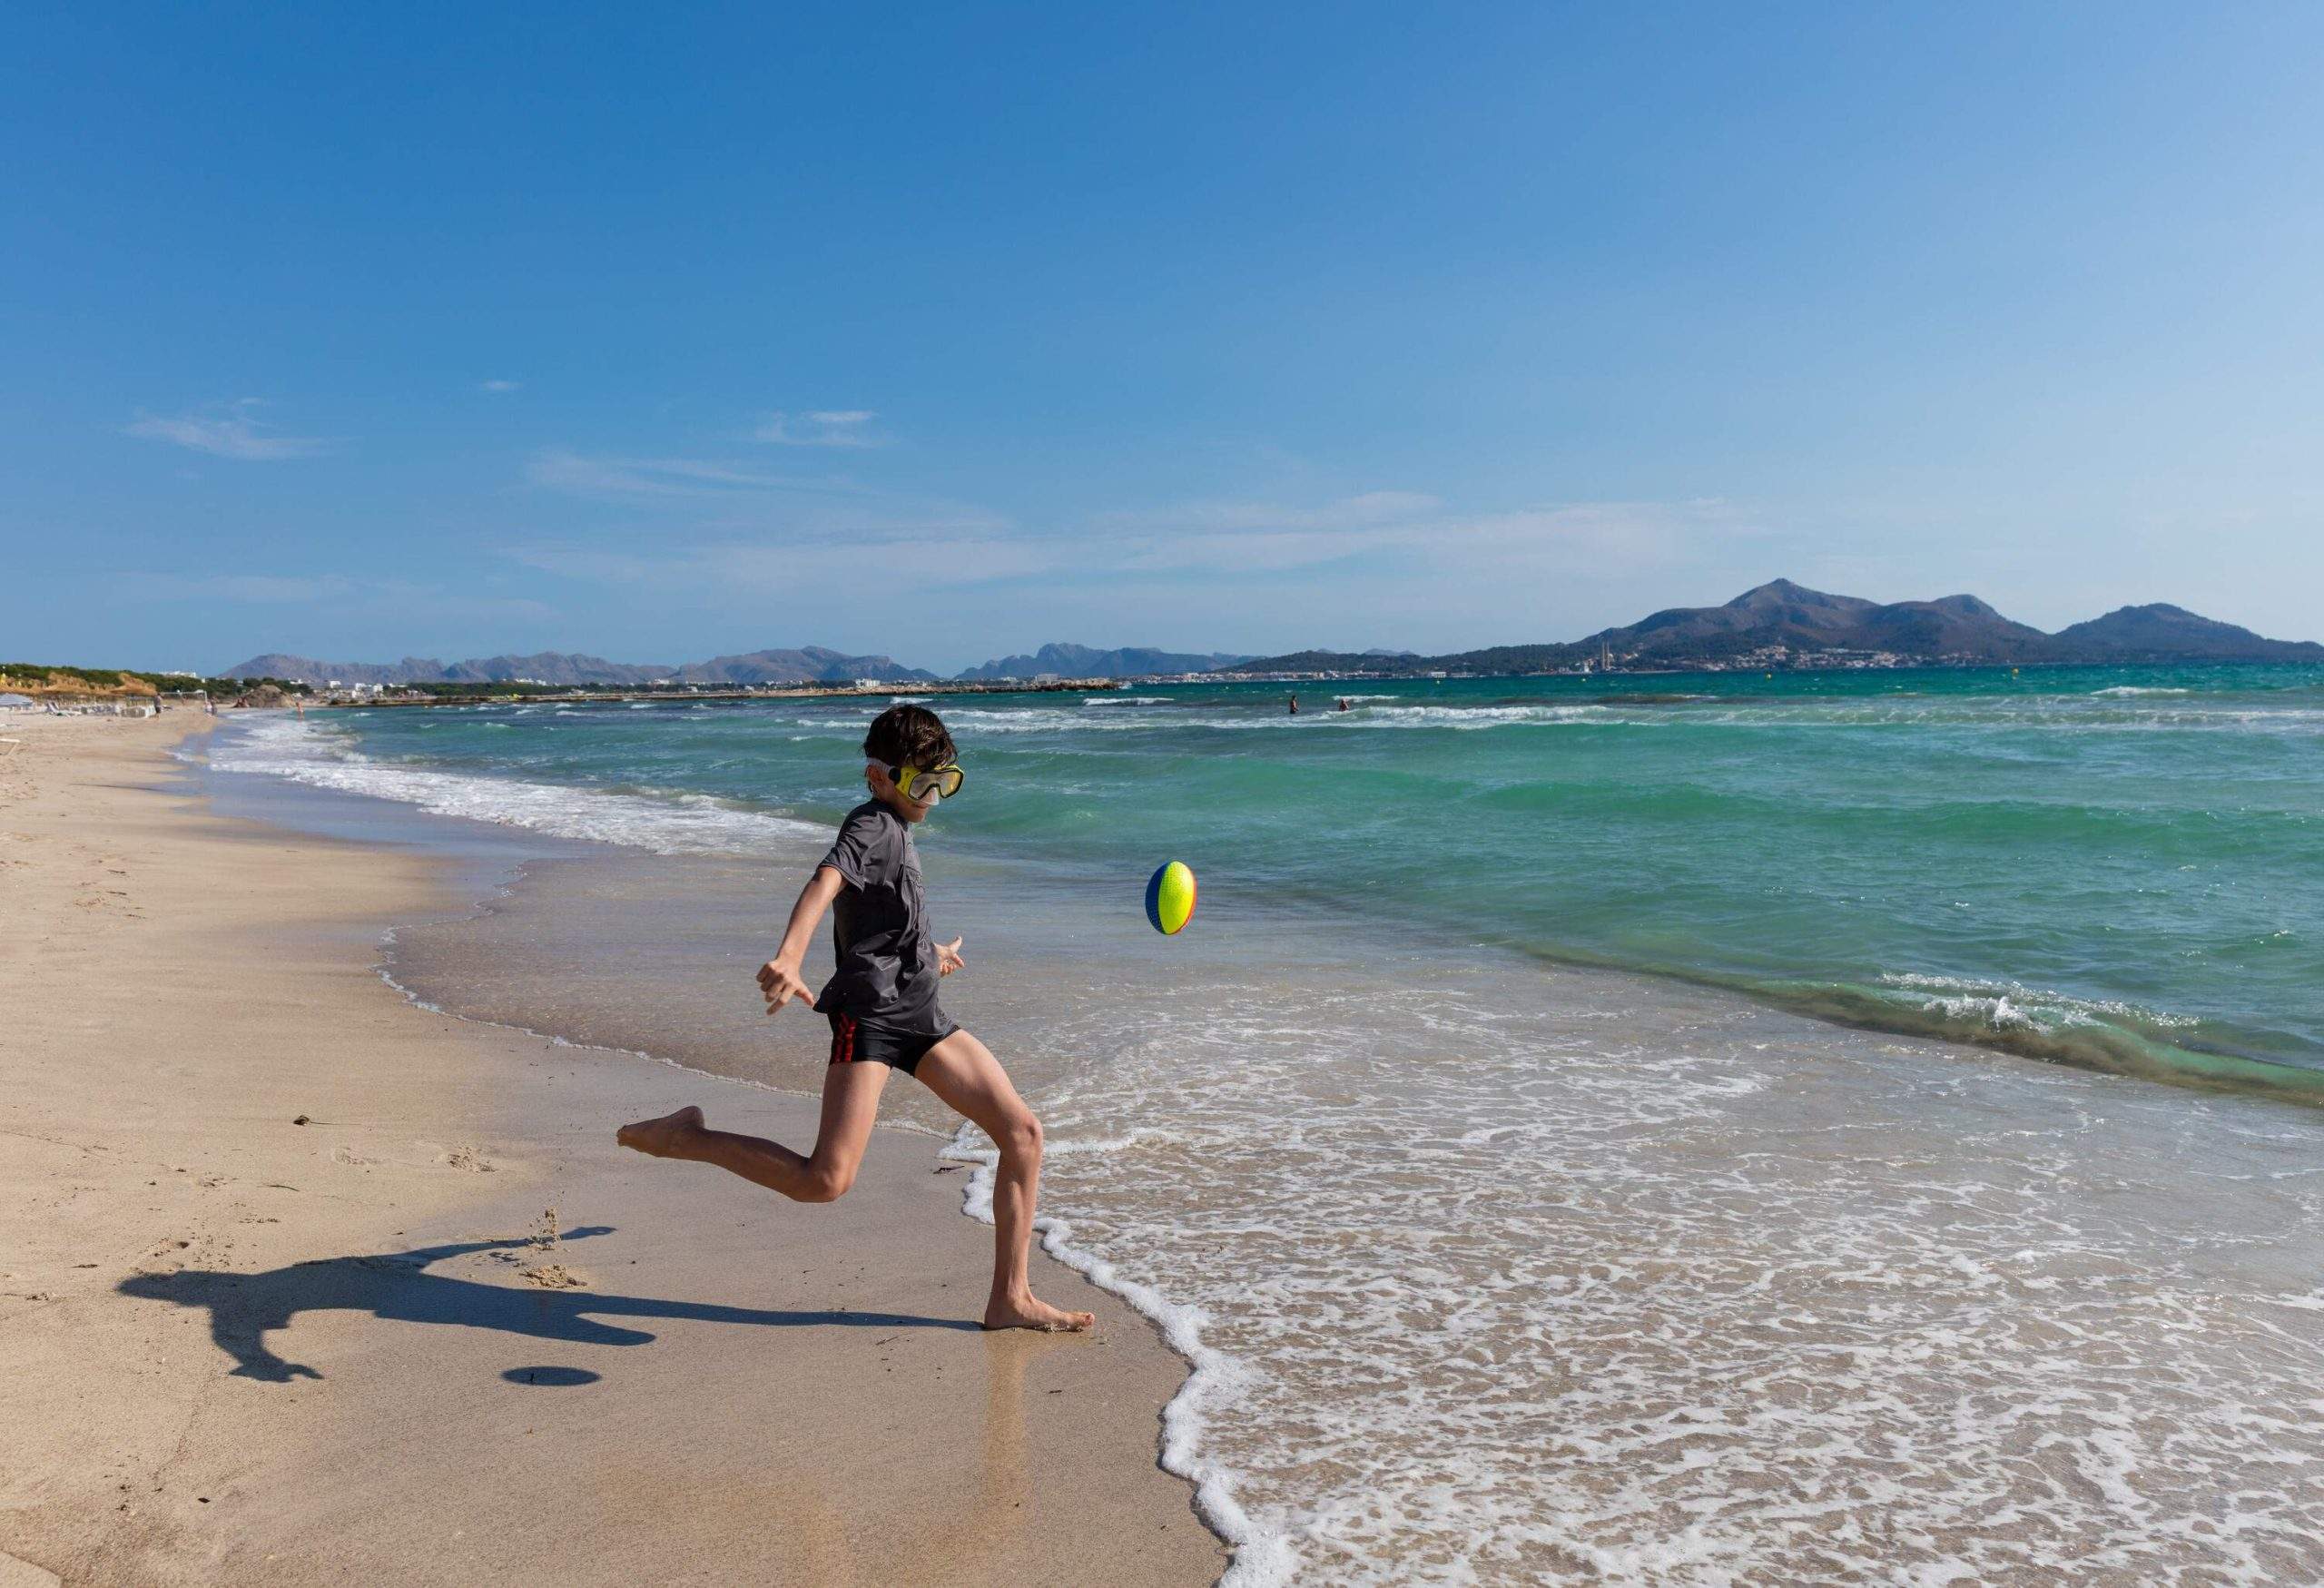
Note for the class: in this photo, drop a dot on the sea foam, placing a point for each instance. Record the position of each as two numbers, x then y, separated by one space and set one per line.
679 823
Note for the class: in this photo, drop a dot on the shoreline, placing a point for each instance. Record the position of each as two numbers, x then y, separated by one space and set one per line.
499 863
196 1392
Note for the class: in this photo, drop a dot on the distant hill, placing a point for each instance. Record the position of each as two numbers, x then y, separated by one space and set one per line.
808 665
544 667
2162 633
307 670
1782 623
1072 661
812 664
555 667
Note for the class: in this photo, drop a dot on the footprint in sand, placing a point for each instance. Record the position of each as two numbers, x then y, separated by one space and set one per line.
549 1276
555 1276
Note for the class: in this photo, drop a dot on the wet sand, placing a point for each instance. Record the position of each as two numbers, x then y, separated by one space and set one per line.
444 1329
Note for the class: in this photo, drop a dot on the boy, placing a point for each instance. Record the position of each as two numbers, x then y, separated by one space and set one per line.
881 1004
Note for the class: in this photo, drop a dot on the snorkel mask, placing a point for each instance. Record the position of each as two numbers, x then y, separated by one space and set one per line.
925 788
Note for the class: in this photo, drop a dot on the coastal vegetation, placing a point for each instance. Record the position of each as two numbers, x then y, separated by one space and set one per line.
43 680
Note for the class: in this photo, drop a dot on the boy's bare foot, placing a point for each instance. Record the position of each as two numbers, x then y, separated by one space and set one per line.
1030 1314
658 1138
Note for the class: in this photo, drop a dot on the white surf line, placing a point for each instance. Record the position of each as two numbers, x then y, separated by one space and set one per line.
1263 1558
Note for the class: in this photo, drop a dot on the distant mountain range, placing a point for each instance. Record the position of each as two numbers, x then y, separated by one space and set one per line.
546 668
1072 661
1778 623
1783 624
809 665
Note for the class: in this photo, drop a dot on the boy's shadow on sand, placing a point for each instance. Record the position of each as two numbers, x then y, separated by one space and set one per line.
243 1307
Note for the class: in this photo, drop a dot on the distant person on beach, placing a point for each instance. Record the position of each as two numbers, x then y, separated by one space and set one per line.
881 1004
1294 705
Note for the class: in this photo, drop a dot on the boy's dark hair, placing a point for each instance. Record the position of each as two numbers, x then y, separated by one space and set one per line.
909 735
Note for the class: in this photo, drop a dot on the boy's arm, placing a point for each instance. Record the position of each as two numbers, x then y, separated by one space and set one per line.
778 978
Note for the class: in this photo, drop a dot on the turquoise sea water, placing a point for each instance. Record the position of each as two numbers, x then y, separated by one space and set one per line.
2115 867
1494 1264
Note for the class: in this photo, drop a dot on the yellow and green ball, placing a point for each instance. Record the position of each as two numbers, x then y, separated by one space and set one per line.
1170 898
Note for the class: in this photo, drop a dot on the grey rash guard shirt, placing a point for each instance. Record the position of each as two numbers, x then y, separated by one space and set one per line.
886 971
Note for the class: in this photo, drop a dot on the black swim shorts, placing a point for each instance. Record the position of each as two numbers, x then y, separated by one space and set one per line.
856 1041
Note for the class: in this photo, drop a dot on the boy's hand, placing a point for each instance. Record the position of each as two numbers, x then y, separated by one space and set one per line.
780 984
948 957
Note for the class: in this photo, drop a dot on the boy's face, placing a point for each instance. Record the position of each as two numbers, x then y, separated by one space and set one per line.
883 789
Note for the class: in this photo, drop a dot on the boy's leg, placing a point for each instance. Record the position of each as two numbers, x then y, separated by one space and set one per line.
964 1073
851 1103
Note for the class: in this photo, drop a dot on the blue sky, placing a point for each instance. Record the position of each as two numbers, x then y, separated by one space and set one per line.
943 332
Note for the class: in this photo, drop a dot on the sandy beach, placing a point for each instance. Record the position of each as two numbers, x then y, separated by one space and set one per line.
300 1281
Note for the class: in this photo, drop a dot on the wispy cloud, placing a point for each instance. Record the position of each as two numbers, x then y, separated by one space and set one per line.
1363 511
1229 537
755 571
231 431
1409 540
744 532
500 386
635 479
724 498
843 426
